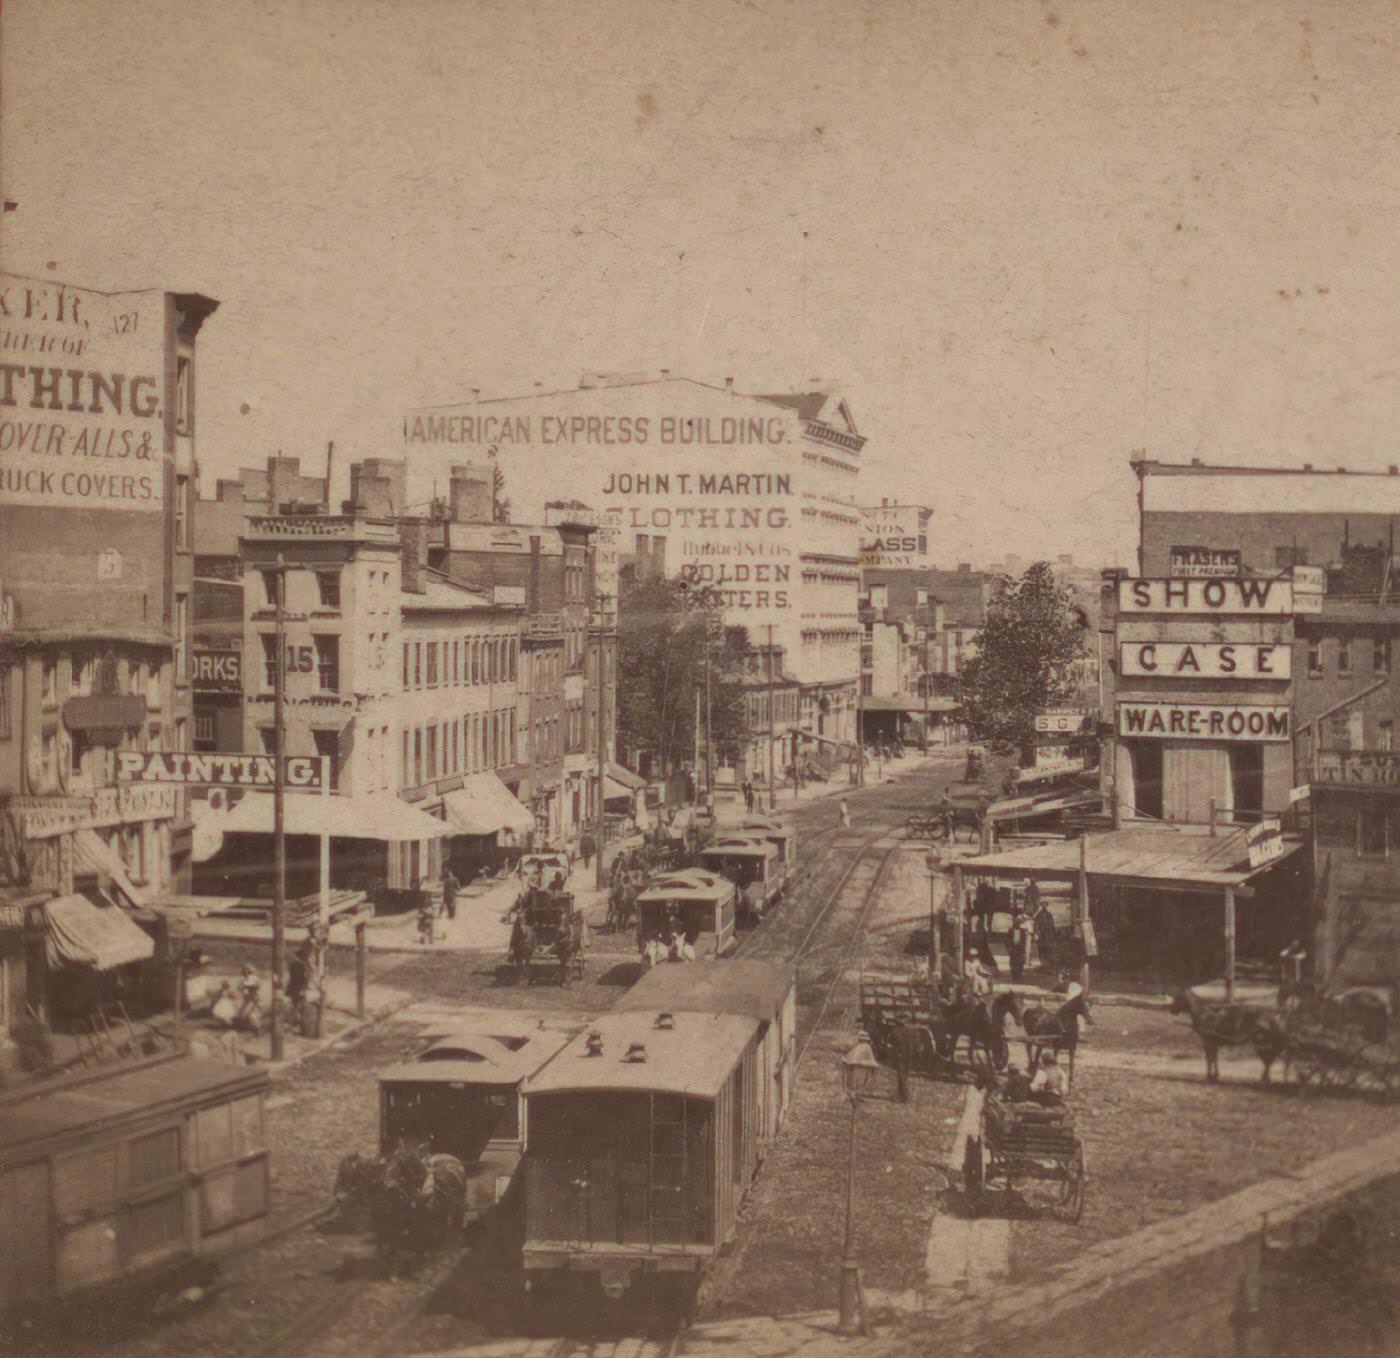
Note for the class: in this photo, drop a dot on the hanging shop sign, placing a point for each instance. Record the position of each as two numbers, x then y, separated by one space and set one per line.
1062 722
1205 660
1265 842
218 770
1210 597
1208 562
1204 721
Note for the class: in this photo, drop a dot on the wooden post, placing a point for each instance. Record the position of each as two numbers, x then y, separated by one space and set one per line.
279 836
1212 817
935 943
1247 1320
957 908
1229 945
360 952
1081 908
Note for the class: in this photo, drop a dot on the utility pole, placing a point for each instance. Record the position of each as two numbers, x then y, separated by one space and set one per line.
860 706
709 734
772 763
600 825
279 835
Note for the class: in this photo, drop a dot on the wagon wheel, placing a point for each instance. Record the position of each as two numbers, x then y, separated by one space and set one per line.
974 1179
1072 1191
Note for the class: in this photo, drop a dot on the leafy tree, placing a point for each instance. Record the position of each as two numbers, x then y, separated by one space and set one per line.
665 631
1025 657
500 502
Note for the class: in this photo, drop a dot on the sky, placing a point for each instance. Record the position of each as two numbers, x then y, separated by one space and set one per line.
1026 239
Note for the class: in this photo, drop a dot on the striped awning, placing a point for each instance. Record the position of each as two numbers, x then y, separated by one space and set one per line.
87 935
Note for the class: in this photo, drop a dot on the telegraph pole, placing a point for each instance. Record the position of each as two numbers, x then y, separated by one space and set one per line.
709 733
279 836
772 783
600 825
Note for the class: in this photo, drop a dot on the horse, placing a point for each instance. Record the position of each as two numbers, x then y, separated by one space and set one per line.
421 1202
568 946
622 906
1055 1028
1229 1025
982 1020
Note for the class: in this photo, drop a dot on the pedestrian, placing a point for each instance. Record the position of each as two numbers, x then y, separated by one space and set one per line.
587 848
450 886
982 945
298 976
845 815
1017 944
250 1004
748 796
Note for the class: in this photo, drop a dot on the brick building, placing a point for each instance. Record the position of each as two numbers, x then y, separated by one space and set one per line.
97 464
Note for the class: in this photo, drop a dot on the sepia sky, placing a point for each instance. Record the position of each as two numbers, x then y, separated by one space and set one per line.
1024 237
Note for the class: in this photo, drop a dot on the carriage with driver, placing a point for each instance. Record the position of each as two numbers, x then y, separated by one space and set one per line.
916 1023
548 936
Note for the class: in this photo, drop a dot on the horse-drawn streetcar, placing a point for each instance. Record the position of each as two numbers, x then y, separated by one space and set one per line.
701 905
1021 1140
754 864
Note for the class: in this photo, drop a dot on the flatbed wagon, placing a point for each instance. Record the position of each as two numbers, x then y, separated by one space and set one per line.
1018 1141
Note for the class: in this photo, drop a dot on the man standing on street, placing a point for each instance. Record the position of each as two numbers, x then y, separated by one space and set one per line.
845 815
586 848
449 892
1017 944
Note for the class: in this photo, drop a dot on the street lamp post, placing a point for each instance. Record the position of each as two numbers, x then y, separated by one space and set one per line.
858 1068
935 940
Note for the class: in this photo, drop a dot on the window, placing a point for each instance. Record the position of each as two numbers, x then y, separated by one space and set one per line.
1382 655
1314 655
269 579
431 760
512 735
407 667
417 756
406 767
512 659
5 720
328 664
1343 655
182 734
417 664
432 649
328 747
184 407
50 681
456 656
328 582
1387 736
182 620
476 661
182 511
269 645
269 739
204 736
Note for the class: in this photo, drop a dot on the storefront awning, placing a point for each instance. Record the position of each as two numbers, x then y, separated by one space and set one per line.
620 773
381 817
1184 857
98 858
483 805
613 791
909 703
87 935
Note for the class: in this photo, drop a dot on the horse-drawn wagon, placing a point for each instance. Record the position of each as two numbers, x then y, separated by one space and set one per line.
1021 1139
916 1024
548 935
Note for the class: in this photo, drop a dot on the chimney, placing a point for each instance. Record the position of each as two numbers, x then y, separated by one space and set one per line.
658 556
283 476
413 548
377 486
532 589
471 491
729 385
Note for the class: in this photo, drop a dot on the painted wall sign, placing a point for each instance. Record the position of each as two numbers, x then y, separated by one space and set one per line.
80 397
508 594
894 536
1204 721
1219 597
216 671
222 770
1204 561
1309 585
1201 659
1365 768
43 817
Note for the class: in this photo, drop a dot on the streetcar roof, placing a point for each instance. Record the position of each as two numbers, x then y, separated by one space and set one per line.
695 1056
740 846
477 1058
690 885
757 990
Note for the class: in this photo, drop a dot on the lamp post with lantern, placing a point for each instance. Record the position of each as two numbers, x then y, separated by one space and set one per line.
858 1067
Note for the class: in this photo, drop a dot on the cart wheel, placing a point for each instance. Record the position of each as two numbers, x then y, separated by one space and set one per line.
973 1177
1072 1193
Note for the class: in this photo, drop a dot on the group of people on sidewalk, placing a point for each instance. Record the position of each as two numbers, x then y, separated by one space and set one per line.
1031 922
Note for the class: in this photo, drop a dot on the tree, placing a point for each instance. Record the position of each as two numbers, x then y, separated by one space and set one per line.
500 502
665 631
1024 660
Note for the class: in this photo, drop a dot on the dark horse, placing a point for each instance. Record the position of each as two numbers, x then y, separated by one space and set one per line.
1229 1025
522 945
982 1020
622 905
1057 1029
414 1199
